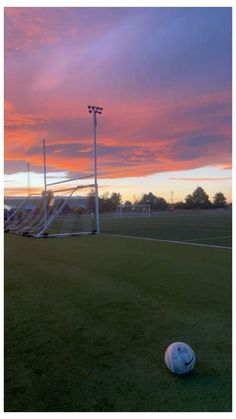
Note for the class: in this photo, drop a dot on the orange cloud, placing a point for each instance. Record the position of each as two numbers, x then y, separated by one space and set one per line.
8 107
201 179
138 134
19 191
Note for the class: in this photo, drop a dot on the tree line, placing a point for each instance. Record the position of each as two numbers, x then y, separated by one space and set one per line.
197 200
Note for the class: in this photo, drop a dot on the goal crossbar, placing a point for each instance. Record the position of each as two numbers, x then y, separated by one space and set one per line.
70 180
74 189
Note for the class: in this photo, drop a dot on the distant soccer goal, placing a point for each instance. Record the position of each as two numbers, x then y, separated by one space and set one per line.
135 210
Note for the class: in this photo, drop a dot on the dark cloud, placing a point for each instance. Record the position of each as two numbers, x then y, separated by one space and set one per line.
192 147
14 166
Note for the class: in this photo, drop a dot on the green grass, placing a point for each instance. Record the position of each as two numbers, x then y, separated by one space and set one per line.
203 227
87 321
211 227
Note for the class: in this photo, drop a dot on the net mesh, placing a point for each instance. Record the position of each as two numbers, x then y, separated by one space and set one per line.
72 213
60 212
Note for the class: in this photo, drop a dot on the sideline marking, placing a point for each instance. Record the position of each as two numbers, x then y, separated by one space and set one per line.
166 241
210 238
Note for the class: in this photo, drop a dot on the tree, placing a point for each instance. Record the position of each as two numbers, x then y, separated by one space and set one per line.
108 203
147 198
105 203
180 205
219 200
156 203
189 203
198 199
160 204
115 199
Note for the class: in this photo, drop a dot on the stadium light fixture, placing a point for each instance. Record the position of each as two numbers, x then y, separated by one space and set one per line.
94 110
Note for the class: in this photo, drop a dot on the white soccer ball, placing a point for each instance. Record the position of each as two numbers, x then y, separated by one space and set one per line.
180 358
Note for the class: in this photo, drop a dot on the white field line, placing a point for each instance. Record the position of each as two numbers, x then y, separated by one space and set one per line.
209 238
167 241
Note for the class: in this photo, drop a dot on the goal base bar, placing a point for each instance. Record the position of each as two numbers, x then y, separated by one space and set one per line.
81 233
48 235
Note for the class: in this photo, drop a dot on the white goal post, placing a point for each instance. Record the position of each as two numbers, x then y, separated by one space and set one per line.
61 212
133 210
69 211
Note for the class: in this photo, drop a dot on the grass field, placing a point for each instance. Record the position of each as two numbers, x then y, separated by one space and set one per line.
87 321
203 227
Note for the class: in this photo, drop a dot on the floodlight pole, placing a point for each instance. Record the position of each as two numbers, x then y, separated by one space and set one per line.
28 172
94 110
95 173
45 182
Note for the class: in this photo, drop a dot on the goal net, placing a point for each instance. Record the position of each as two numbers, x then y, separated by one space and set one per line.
26 215
135 210
72 212
59 212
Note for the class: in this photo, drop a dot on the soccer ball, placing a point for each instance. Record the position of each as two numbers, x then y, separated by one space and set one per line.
180 358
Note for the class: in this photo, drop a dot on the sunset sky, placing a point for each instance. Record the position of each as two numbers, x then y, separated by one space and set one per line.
163 77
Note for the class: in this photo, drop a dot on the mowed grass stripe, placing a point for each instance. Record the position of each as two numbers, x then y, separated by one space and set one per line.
87 321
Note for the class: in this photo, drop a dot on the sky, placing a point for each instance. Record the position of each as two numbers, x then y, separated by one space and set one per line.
163 77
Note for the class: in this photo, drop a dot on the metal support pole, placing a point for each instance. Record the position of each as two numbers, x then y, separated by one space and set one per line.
28 170
95 172
45 182
94 110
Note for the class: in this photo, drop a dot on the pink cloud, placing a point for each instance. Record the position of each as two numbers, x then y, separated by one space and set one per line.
24 27
138 141
57 62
